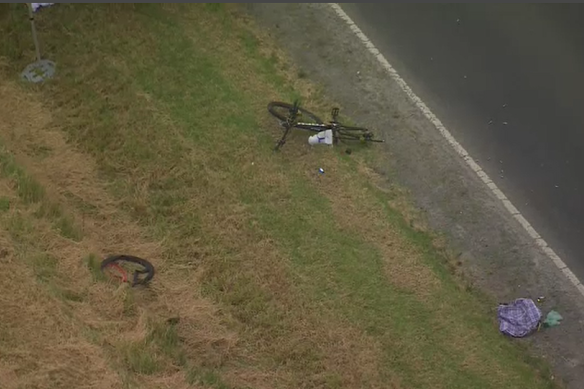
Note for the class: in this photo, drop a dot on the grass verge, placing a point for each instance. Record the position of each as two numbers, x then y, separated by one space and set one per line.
154 140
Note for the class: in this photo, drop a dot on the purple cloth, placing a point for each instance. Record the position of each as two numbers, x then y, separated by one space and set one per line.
519 318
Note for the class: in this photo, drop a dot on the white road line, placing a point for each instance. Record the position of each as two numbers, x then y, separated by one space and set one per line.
460 150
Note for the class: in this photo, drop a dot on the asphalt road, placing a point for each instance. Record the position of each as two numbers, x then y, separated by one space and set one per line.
508 81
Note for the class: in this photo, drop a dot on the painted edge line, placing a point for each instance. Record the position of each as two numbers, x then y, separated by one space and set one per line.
542 244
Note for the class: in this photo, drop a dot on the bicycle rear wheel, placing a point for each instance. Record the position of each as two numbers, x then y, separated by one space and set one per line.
282 111
356 133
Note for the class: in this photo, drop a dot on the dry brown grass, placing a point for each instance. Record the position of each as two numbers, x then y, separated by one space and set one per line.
42 344
67 174
33 316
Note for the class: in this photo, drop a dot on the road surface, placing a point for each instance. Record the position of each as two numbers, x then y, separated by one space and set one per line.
507 80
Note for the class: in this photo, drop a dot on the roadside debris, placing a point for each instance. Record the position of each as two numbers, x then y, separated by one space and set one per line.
323 137
552 319
522 317
518 318
36 6
128 268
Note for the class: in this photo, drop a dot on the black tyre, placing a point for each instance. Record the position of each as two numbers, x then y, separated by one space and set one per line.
143 271
282 112
357 133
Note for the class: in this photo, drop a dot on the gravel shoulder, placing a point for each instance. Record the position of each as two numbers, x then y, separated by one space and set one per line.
496 252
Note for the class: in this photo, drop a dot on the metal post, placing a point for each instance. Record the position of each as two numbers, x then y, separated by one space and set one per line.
41 69
34 34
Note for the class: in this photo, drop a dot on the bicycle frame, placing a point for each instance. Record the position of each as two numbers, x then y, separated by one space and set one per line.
312 127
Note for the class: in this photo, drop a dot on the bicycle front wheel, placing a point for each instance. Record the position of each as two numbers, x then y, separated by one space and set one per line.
282 112
128 268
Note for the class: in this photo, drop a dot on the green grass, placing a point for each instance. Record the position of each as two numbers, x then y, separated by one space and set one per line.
30 191
61 221
30 251
166 338
139 359
316 275
145 356
207 378
44 266
93 263
4 204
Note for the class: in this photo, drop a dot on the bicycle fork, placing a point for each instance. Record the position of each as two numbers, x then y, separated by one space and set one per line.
288 124
282 141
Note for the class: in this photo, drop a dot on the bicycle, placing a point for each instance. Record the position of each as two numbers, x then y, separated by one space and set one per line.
288 115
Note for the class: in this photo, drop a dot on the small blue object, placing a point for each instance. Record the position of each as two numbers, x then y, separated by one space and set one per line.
321 170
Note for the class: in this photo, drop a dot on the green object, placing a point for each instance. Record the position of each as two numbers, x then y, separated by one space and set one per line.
552 319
